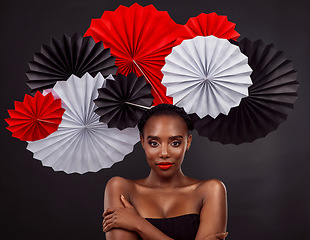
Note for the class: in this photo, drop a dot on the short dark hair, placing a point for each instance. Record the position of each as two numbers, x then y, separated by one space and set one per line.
165 109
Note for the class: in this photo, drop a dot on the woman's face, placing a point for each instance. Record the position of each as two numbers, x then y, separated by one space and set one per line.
165 140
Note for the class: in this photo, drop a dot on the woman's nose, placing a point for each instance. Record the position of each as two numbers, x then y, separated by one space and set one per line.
164 151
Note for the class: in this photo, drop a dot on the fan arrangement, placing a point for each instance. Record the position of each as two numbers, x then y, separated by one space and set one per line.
90 91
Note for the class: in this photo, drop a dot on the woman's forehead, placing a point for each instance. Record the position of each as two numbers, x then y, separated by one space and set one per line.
165 124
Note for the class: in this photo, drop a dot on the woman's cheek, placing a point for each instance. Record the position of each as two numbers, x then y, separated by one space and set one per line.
150 154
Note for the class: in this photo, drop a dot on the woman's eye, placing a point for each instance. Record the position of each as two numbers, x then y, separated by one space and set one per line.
176 143
153 143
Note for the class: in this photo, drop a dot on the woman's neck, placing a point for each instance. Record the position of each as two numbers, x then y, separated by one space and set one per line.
174 181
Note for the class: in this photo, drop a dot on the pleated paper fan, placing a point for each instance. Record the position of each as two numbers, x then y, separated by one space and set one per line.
206 25
271 98
35 118
122 102
206 76
140 38
61 58
82 143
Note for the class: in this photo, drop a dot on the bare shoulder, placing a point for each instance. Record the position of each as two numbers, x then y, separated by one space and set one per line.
212 187
119 184
116 187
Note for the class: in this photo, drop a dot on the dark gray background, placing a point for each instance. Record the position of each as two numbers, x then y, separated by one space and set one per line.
267 180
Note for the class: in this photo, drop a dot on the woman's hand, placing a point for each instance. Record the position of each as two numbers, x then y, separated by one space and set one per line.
124 217
216 236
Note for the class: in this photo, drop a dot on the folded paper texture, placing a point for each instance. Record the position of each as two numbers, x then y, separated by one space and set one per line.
122 102
96 88
206 25
69 55
140 38
35 118
82 143
271 98
207 76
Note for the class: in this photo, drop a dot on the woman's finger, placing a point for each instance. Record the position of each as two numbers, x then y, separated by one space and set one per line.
106 218
125 202
107 222
221 235
109 225
108 211
109 216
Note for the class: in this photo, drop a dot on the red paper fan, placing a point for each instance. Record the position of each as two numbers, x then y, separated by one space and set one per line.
140 38
206 25
35 118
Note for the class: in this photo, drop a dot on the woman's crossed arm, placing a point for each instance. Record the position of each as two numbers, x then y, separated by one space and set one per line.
122 221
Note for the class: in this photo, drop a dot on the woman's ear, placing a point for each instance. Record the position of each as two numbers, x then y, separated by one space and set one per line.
142 140
189 141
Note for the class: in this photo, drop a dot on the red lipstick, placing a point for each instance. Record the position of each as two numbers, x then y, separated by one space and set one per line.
164 165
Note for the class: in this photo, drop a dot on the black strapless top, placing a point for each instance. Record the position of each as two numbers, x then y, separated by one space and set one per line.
182 227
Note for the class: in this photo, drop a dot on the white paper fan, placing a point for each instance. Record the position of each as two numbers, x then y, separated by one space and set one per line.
82 143
206 76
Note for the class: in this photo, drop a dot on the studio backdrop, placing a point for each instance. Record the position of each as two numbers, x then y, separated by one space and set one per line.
266 173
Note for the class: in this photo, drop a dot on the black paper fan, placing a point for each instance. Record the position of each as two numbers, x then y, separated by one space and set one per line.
122 101
61 58
271 97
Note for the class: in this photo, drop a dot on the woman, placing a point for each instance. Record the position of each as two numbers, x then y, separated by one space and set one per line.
167 204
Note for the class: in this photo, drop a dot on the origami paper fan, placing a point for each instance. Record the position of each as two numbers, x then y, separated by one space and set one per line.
140 38
35 118
82 143
121 103
206 25
60 59
270 99
206 76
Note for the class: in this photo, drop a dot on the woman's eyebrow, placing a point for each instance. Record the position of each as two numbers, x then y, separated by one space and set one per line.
177 136
152 137
172 137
